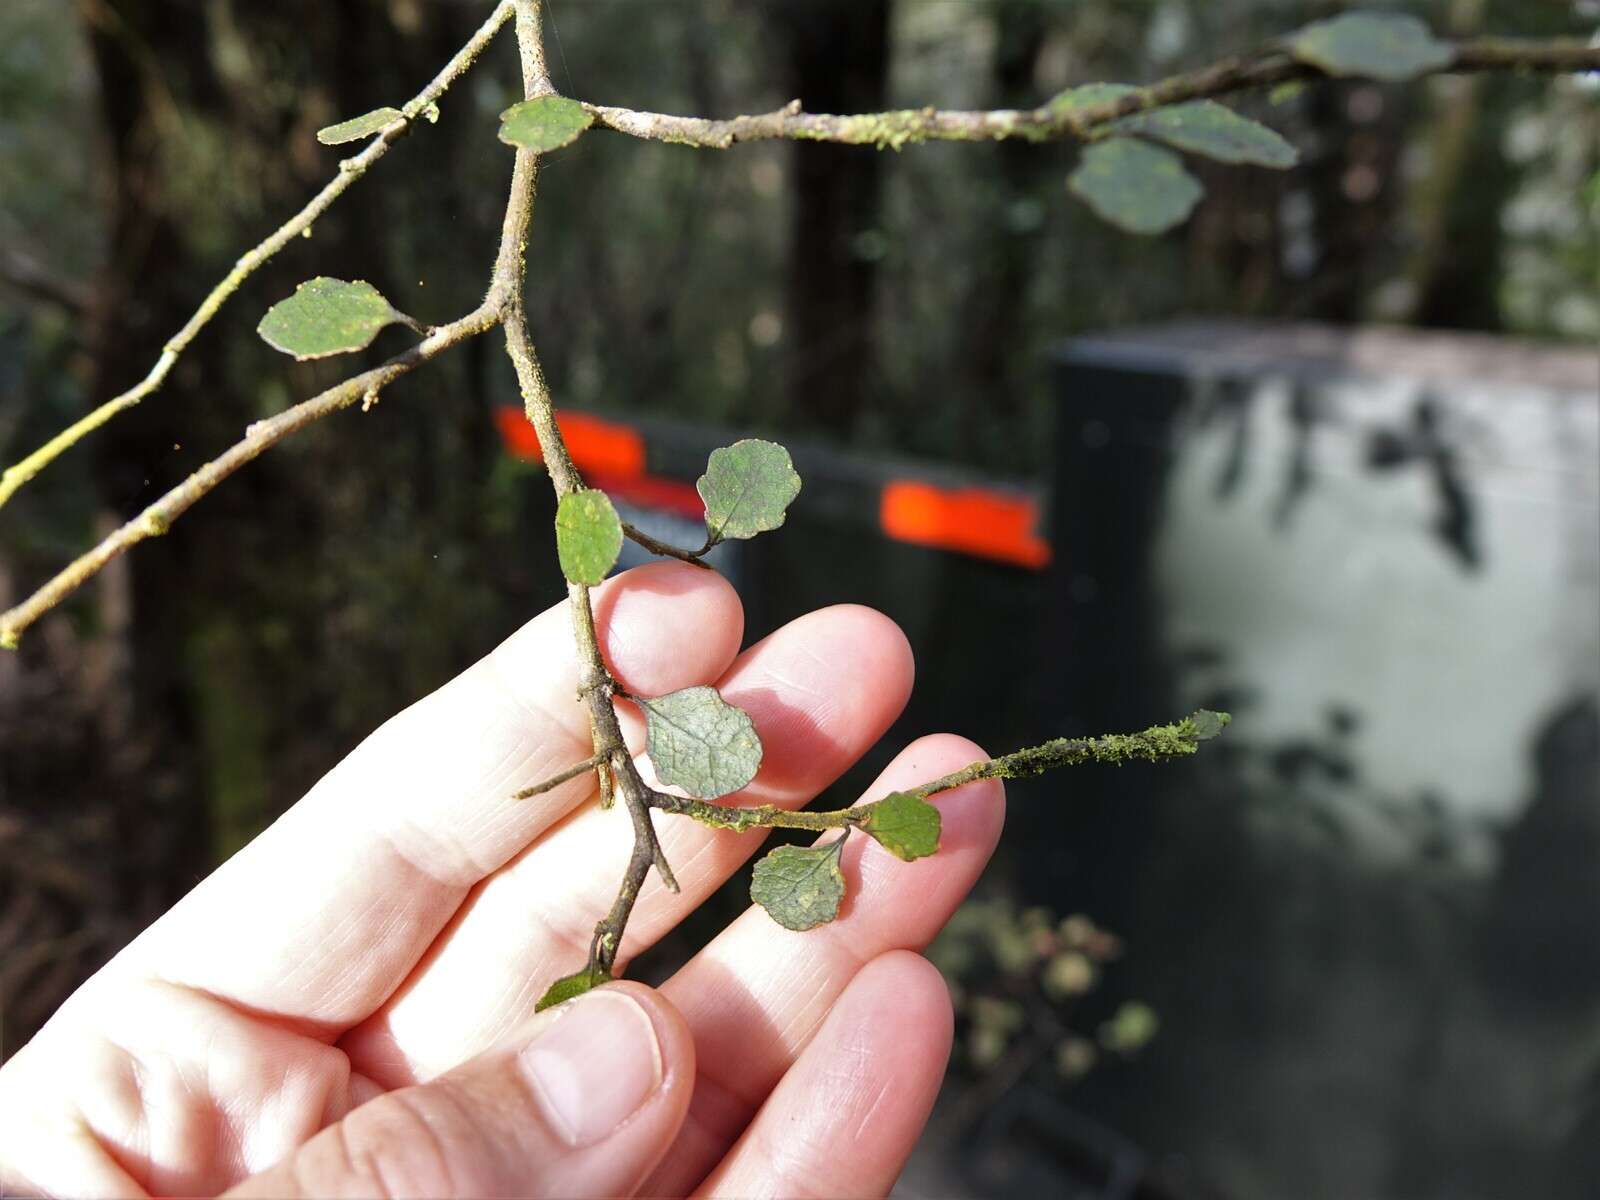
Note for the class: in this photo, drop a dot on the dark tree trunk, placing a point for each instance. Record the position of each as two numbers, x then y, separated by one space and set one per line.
835 59
143 295
995 309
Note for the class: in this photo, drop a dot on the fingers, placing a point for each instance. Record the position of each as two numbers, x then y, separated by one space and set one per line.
581 1102
756 995
321 917
821 691
844 1119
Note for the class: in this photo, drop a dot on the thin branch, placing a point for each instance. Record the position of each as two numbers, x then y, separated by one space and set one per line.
350 170
158 517
571 773
763 816
1047 123
595 685
667 549
1159 743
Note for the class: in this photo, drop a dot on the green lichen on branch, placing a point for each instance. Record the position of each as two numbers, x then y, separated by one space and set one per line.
1159 743
906 825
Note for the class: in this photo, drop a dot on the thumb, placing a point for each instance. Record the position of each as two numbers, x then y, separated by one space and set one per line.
581 1102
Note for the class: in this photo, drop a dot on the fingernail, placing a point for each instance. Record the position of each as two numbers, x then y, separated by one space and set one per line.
593 1067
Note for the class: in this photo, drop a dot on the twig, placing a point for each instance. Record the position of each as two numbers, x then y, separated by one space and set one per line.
763 816
1046 123
572 772
667 549
595 684
1156 744
350 170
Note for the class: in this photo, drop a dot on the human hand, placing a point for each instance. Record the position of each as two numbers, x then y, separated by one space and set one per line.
343 1008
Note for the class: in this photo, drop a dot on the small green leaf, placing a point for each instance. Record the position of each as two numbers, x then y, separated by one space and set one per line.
1206 127
569 986
1135 186
1386 46
544 123
800 886
1205 724
1089 95
700 742
326 316
365 126
906 826
588 536
746 488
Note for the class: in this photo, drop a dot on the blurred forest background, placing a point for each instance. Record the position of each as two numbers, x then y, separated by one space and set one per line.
890 303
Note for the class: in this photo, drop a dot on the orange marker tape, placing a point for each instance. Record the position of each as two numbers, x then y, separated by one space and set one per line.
974 521
597 445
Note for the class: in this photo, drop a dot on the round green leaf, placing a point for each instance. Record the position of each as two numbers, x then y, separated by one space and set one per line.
800 886
326 316
544 123
1205 724
588 536
365 126
1206 127
746 488
906 826
1089 95
1386 46
1135 186
700 742
569 986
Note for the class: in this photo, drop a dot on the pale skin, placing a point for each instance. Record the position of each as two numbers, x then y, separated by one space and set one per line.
346 1006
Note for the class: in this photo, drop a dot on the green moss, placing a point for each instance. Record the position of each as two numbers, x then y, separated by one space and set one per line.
1156 744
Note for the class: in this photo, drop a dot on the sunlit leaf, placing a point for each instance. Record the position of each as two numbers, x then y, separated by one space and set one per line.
906 826
544 123
1208 128
588 536
801 887
1135 186
746 488
365 126
569 986
326 316
1386 46
700 742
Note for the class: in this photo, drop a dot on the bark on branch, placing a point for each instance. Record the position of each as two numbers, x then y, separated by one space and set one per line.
904 127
